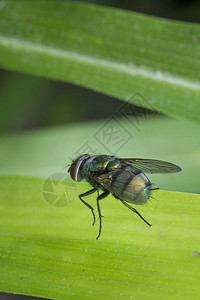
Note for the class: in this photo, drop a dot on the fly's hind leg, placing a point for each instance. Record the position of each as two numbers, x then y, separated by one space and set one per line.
100 197
88 205
134 210
153 189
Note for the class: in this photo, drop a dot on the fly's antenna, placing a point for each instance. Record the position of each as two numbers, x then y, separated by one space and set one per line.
66 166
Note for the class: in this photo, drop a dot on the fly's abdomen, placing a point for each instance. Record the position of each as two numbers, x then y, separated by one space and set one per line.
133 187
138 190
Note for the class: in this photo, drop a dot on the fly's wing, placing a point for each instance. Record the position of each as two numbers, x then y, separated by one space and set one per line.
150 165
107 180
116 182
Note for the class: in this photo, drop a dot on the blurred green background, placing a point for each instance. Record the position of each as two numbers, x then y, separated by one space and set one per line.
29 102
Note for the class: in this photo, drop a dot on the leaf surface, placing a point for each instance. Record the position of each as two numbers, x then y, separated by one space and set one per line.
115 52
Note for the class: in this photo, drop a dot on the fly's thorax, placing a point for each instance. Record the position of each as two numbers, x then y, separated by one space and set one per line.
113 164
76 167
99 164
132 186
95 166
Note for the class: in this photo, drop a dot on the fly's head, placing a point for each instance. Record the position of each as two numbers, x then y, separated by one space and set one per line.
76 166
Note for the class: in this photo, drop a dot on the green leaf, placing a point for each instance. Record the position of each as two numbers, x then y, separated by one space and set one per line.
52 252
116 52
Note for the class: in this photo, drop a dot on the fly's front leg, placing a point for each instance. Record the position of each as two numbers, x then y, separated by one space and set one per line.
134 210
100 197
88 205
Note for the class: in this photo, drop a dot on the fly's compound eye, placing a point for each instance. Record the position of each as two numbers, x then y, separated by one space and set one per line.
75 167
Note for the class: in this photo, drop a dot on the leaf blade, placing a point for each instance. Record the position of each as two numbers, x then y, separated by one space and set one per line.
82 46
53 253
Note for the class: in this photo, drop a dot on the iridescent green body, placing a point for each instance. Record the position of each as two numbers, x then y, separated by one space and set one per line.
122 177
97 165
125 182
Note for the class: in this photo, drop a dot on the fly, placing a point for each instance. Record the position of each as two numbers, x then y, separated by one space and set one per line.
124 178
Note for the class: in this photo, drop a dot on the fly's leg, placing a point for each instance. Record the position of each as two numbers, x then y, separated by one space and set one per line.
134 210
153 189
88 205
100 197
